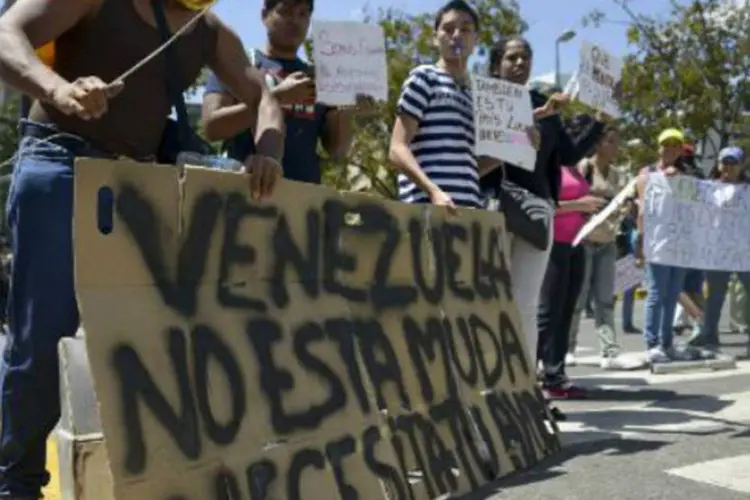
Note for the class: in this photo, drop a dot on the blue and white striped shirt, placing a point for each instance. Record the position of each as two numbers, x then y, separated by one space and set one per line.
444 143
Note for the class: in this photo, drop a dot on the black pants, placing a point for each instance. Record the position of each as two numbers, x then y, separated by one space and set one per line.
557 302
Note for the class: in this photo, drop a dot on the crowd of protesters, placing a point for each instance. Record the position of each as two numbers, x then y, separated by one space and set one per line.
251 104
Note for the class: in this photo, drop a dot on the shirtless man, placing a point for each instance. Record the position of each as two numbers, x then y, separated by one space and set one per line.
77 111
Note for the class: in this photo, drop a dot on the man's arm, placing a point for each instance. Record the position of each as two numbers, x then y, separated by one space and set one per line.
222 117
412 104
233 68
337 132
399 154
28 25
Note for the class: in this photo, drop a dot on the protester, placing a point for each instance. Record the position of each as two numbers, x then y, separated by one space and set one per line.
292 82
689 313
562 282
629 230
664 282
79 113
601 256
432 144
511 59
730 171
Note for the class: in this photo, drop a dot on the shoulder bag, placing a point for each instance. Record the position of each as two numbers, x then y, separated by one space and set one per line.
178 136
527 215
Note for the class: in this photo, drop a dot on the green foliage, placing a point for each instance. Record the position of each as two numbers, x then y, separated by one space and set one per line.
199 83
408 44
8 145
689 71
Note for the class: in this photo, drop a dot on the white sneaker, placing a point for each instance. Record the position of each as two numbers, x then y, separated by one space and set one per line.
618 362
570 359
657 355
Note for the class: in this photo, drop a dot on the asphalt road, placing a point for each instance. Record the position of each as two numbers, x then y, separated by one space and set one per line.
646 436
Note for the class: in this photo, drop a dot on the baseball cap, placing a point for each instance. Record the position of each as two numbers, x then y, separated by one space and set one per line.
732 152
671 134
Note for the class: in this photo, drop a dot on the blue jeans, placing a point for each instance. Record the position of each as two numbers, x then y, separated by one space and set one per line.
664 286
717 292
42 304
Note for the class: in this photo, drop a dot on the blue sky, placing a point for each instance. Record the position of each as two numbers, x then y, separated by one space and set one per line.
547 19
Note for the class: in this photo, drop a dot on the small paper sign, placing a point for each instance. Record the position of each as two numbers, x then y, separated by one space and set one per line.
349 61
599 72
502 116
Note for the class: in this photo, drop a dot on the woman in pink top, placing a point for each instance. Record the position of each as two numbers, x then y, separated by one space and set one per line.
562 283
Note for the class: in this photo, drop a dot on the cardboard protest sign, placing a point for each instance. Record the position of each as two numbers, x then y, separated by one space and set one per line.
349 60
599 73
502 116
314 345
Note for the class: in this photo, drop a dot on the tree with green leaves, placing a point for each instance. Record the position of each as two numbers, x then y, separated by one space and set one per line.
408 40
8 145
689 70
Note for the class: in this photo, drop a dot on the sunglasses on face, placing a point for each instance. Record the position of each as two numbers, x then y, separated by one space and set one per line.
730 162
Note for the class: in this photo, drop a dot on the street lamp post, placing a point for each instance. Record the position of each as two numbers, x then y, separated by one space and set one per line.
564 37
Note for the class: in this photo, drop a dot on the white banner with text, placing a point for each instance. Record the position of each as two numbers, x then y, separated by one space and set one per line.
697 224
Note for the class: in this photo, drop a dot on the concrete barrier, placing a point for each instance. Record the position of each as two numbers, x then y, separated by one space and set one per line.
82 457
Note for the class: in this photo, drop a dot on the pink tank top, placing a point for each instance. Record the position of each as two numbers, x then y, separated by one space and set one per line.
573 186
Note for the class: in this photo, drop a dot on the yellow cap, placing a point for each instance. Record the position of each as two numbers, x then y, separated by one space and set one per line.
671 134
195 5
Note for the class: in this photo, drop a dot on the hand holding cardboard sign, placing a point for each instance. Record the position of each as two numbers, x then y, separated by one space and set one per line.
264 173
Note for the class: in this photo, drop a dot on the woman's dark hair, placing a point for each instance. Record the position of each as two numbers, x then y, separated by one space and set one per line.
497 52
460 6
607 129
576 125
272 4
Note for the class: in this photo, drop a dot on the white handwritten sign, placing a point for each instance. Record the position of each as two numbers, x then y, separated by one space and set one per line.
502 115
697 224
349 61
627 274
598 74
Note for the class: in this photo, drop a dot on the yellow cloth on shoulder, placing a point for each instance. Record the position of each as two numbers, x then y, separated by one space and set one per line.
47 53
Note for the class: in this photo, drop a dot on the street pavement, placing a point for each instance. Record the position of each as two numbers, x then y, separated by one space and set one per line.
642 436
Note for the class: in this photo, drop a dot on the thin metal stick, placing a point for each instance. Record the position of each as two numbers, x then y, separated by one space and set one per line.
160 49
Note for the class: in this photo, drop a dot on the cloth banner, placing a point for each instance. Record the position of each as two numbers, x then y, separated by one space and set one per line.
697 224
